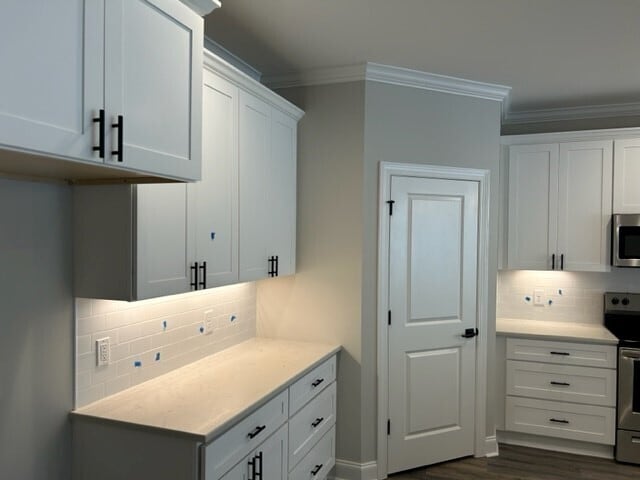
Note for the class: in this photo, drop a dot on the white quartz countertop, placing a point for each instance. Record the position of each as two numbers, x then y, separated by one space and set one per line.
569 331
206 397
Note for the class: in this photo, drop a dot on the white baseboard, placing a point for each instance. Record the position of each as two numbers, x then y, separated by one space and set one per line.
556 444
491 446
346 470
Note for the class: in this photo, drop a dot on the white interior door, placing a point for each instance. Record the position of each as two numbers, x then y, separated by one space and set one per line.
432 296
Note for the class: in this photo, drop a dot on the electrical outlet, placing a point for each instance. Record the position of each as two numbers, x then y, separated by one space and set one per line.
103 352
208 322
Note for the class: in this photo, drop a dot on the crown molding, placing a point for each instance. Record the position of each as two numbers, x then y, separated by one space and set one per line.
233 74
571 113
439 83
317 76
391 75
202 7
220 51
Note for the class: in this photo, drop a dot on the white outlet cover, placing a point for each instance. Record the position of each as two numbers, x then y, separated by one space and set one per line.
208 322
103 352
538 296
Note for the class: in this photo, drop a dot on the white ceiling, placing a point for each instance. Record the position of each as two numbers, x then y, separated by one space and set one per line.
553 53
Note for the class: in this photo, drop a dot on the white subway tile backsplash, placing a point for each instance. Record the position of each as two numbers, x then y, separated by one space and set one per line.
574 296
152 337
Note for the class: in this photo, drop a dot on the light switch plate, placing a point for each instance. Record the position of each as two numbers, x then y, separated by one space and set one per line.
538 296
208 322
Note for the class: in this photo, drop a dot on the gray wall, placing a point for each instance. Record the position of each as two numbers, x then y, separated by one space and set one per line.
333 295
322 301
36 341
409 125
571 125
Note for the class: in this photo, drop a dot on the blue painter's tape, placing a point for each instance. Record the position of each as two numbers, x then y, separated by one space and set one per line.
164 324
233 317
137 363
213 235
201 329
157 356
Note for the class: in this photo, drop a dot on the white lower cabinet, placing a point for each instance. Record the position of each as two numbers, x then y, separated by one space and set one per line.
276 442
561 389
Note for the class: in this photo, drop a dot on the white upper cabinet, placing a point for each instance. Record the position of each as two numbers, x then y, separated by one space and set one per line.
560 206
626 172
95 82
153 80
52 83
214 199
584 205
533 197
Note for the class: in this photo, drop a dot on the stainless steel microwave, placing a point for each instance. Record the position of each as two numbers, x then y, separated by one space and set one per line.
625 251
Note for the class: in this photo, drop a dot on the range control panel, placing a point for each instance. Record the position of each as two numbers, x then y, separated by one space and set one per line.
621 302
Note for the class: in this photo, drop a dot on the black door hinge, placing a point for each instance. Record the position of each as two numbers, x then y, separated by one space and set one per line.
388 427
389 317
391 202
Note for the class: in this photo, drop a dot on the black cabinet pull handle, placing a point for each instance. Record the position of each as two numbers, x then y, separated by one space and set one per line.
258 472
470 333
553 261
256 431
317 382
277 265
562 261
555 420
317 422
273 266
100 122
562 384
316 469
194 276
252 464
564 354
203 282
120 126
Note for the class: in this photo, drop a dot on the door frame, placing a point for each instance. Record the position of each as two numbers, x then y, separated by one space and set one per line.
387 171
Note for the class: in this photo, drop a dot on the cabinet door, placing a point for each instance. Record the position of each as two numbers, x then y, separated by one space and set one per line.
584 205
271 456
215 197
153 78
164 245
51 85
533 197
626 171
255 163
282 192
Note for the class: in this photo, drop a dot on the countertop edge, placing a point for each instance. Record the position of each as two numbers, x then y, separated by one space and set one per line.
506 327
223 427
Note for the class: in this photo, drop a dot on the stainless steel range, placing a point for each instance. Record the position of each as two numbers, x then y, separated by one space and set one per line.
622 318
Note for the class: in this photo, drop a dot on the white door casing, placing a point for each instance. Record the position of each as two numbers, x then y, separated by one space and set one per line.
418 428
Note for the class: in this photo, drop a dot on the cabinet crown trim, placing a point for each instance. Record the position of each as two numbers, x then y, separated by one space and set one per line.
202 7
234 75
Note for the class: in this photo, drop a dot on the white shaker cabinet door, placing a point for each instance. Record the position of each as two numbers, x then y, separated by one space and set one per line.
584 205
153 79
533 197
254 171
164 245
215 197
282 193
626 172
51 86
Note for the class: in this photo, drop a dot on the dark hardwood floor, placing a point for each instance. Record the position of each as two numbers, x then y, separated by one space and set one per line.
521 463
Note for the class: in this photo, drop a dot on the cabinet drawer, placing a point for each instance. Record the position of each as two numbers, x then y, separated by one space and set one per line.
594 386
565 353
311 423
585 423
319 461
230 447
311 384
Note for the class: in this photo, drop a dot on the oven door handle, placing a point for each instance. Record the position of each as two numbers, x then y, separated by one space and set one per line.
630 354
